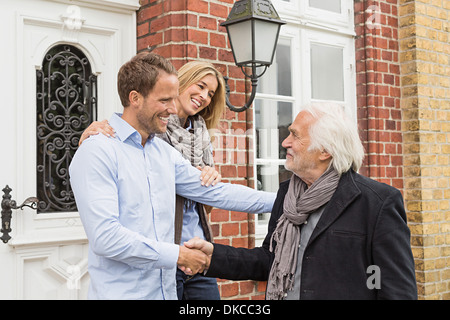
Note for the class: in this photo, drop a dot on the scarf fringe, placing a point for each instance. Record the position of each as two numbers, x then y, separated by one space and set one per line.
287 280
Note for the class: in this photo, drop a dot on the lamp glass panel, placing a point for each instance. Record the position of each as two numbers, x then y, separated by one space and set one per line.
241 40
265 40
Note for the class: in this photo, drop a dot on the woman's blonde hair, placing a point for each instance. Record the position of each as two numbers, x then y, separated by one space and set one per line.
193 72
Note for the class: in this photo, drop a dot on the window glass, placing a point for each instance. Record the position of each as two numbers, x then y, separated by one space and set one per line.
277 79
269 176
327 72
272 119
329 5
266 173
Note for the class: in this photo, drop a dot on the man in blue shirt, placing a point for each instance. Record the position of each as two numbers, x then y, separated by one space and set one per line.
125 191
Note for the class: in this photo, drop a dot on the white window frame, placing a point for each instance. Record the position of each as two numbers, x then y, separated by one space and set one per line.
306 25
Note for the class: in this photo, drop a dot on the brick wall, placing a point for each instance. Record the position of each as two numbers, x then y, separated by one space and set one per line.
378 89
425 57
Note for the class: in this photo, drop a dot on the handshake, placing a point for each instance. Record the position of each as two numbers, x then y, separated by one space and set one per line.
195 256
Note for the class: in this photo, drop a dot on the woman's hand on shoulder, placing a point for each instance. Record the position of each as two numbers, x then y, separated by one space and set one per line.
95 128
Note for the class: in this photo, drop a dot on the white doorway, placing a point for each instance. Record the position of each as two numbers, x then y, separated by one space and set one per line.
46 256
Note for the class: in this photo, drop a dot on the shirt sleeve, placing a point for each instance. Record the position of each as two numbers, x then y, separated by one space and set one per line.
225 196
93 177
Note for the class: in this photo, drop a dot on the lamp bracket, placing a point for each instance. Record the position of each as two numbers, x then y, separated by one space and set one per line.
254 78
254 75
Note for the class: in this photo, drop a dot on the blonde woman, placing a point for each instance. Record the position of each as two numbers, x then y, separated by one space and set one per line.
200 105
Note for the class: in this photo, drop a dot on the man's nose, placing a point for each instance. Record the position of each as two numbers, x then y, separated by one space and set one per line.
172 109
285 144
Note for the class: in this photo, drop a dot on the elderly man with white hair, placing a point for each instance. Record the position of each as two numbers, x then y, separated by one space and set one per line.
333 233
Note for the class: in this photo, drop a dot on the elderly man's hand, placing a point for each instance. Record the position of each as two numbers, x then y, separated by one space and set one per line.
192 261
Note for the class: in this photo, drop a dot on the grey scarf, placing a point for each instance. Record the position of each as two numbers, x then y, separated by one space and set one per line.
298 204
194 144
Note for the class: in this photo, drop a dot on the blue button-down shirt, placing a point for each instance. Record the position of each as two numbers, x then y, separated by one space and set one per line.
125 193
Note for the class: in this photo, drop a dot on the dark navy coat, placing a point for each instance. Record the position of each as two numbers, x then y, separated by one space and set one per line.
363 225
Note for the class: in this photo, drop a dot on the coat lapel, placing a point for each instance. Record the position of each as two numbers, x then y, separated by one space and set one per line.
346 193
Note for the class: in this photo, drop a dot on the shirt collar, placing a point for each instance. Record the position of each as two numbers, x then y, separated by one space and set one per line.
124 130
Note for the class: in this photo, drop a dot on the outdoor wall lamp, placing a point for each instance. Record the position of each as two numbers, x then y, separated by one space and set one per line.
7 205
253 27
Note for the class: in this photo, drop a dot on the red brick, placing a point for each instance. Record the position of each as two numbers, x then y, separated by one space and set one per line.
177 50
261 286
386 55
150 40
198 6
197 36
219 215
228 171
218 10
225 242
244 232
246 287
143 29
238 216
229 289
241 86
174 5
230 229
150 12
160 24
192 51
218 40
178 20
175 35
239 126
239 242
208 53
215 228
192 20
207 23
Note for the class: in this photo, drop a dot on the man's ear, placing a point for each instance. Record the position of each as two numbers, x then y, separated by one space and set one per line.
324 155
134 97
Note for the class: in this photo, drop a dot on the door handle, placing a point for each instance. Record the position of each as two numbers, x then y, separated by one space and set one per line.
7 205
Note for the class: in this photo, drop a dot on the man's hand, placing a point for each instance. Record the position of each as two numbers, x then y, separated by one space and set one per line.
200 244
209 176
97 127
192 261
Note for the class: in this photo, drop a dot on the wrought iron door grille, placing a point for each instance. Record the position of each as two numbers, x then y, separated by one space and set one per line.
66 105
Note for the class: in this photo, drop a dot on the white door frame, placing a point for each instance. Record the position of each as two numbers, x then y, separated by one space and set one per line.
47 255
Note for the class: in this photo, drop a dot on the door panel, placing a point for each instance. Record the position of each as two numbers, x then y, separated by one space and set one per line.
46 257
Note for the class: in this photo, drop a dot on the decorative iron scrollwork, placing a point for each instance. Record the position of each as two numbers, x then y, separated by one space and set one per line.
66 105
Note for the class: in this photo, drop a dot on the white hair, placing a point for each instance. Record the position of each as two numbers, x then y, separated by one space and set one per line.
334 132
